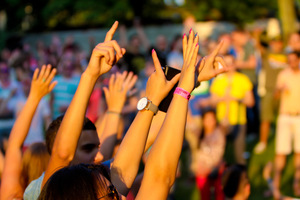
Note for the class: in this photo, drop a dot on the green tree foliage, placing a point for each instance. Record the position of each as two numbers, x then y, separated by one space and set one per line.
68 14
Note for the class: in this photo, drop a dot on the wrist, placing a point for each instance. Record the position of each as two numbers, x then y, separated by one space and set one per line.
182 92
114 113
186 88
154 100
90 76
32 98
146 104
114 110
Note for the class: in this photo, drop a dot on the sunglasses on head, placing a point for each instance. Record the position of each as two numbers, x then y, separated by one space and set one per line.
112 193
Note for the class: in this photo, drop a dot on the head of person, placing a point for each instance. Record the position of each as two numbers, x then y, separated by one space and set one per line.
34 162
293 60
276 45
87 150
294 41
176 44
26 84
239 38
209 120
90 182
67 64
226 38
161 43
230 62
235 182
135 41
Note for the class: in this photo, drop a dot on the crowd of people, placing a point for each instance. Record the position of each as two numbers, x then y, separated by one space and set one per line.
78 125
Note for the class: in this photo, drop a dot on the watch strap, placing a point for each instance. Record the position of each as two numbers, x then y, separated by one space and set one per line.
152 107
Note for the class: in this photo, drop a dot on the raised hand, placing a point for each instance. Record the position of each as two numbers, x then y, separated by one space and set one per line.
119 85
105 54
41 82
190 50
211 65
157 85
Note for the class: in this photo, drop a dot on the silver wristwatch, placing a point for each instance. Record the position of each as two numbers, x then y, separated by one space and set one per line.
146 104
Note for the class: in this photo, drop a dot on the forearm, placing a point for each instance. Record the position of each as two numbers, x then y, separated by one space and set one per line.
109 136
143 37
164 155
156 124
248 100
22 124
13 158
249 64
126 163
70 129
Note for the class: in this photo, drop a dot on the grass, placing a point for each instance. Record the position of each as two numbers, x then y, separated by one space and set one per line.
185 185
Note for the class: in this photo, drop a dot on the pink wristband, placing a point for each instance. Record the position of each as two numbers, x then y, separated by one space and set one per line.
185 94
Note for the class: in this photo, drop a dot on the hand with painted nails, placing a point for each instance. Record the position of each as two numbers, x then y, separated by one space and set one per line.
190 50
157 85
212 65
105 54
116 93
41 82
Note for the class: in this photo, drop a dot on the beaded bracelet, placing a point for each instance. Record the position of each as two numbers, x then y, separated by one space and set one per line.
113 112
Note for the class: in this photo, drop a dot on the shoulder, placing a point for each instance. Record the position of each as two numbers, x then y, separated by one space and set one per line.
33 190
285 72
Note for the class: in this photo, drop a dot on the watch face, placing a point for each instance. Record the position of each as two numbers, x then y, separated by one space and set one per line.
142 103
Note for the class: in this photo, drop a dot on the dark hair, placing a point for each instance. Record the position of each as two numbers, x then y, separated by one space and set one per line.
232 179
208 109
54 126
77 182
297 53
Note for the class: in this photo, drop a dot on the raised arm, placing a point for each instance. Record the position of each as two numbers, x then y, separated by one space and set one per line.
115 96
126 162
103 57
141 34
160 170
40 86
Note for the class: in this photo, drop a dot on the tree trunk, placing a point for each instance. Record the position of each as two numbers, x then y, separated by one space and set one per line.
287 17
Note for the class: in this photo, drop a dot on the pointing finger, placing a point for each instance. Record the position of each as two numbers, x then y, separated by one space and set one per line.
111 32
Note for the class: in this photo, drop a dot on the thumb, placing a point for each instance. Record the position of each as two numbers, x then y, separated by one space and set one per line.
201 65
52 85
123 51
174 80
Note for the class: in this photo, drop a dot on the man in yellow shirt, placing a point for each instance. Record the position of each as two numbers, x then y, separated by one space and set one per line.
231 94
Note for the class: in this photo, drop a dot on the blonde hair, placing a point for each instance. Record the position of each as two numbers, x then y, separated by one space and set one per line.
34 163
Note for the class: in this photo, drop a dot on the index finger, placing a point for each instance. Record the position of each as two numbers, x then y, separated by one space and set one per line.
156 62
111 32
217 49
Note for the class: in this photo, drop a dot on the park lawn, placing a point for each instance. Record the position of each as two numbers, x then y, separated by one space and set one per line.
185 188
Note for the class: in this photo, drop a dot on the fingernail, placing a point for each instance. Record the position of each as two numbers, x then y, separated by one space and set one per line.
197 44
190 31
152 50
183 35
196 34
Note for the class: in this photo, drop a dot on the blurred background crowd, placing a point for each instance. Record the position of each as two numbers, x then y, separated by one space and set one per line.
231 119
